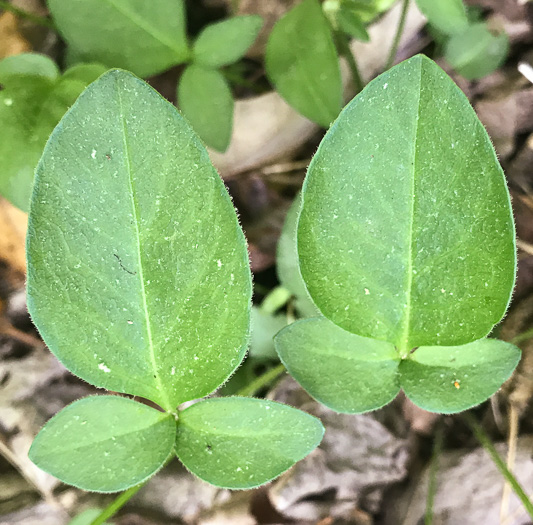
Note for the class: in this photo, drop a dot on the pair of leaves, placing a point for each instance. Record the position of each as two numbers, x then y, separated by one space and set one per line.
143 37
302 63
139 282
34 98
237 443
204 95
353 374
406 237
471 49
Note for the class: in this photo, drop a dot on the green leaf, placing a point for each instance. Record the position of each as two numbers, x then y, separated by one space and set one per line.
447 16
30 108
104 443
264 327
404 234
143 37
138 273
226 42
287 264
302 63
343 371
475 52
452 379
14 67
205 99
351 24
241 443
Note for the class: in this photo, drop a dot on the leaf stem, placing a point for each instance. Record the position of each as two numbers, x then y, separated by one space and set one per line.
261 381
432 486
528 334
117 504
39 20
485 441
398 35
345 51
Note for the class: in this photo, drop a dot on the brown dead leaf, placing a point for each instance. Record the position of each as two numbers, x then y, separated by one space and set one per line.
13 225
358 459
11 40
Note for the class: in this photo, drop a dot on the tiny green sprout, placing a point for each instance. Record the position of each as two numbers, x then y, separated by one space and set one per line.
406 245
139 282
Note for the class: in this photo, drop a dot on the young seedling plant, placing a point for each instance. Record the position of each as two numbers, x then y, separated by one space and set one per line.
139 282
406 245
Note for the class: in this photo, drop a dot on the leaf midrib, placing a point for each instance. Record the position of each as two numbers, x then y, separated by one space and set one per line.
119 434
166 401
403 347
139 22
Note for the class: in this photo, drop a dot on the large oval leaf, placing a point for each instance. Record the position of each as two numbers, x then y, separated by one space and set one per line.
448 16
453 379
344 371
406 232
241 443
104 443
138 273
143 37
301 61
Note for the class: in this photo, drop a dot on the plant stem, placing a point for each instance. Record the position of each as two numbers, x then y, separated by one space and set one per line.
261 381
528 334
432 486
398 35
343 43
39 20
498 461
117 504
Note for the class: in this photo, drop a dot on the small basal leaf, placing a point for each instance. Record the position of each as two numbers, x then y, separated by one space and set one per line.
143 37
475 52
302 63
226 42
351 24
406 232
138 273
343 371
287 264
104 443
447 16
264 327
205 99
31 105
454 378
241 443
27 65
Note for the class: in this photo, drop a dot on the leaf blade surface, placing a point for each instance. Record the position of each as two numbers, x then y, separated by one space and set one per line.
138 273
104 443
241 443
403 233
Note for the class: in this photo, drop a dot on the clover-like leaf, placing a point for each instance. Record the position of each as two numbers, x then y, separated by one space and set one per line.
406 232
227 41
241 443
452 379
475 51
343 371
104 443
205 99
143 37
302 63
138 273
